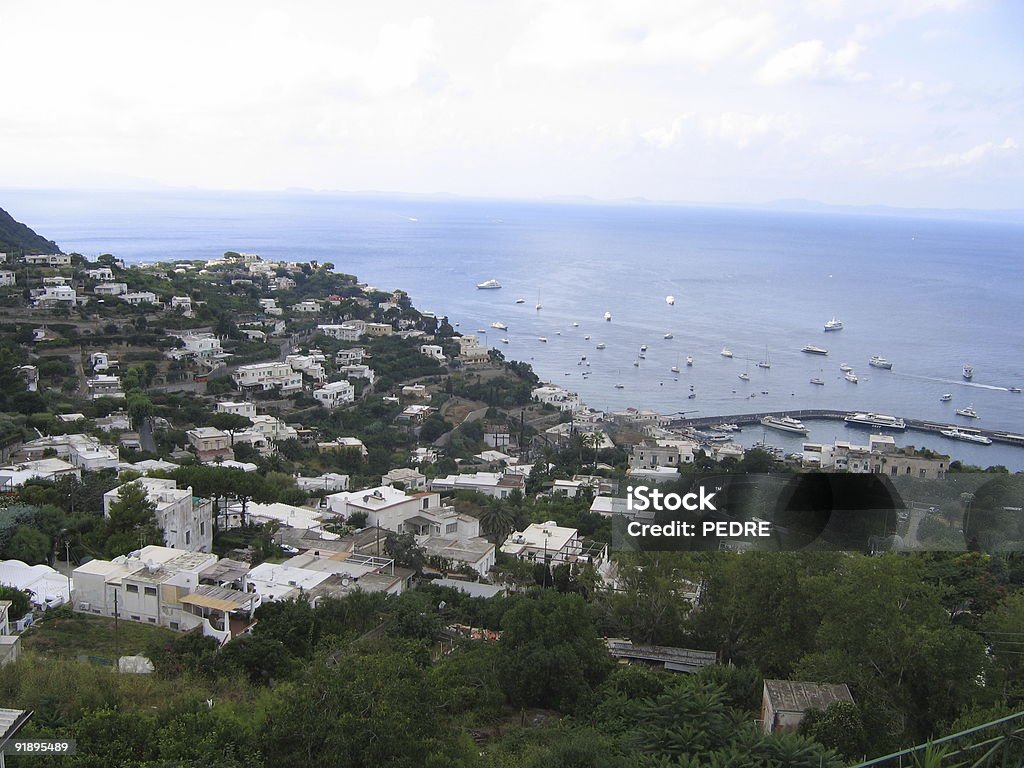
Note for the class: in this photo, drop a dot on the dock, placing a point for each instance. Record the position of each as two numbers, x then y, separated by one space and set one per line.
917 425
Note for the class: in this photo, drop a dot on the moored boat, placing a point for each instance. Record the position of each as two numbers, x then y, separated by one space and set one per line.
785 424
489 285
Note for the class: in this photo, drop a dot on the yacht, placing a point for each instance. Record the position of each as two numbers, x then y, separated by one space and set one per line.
674 369
499 326
766 363
726 352
1013 389
489 285
608 316
819 382
602 345
813 350
727 427
845 367
745 376
670 300
877 361
667 336
946 397
968 372
504 341
850 376
784 423
834 325
967 412
642 356
875 420
972 437
689 361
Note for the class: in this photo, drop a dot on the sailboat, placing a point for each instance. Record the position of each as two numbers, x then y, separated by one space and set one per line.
745 376
539 305
766 363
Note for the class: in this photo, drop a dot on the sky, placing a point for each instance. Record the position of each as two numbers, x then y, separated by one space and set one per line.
917 103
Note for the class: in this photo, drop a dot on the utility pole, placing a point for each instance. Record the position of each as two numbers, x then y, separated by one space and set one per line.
117 637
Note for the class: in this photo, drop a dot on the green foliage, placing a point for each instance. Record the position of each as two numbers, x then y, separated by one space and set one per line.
839 727
130 525
21 601
28 545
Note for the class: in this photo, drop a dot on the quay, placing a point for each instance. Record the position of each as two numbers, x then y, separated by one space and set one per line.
748 419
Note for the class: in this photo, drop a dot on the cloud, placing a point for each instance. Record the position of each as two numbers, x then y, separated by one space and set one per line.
811 61
972 156
735 129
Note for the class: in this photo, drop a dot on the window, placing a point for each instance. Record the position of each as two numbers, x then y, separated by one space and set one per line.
174 625
151 591
188 538
202 528
152 621
451 528
136 618
131 588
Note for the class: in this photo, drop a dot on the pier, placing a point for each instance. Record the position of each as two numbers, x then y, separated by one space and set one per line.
918 425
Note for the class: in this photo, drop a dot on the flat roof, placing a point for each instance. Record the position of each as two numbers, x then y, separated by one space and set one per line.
219 598
798 696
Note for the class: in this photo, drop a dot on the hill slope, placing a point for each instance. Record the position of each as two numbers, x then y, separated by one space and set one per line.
15 237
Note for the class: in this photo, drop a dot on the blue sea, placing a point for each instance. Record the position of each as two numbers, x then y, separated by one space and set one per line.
928 294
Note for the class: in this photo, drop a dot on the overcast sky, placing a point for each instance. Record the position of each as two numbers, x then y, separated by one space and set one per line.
915 103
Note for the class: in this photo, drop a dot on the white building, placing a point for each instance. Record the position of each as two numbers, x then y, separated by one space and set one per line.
311 365
560 398
82 451
186 520
7 278
136 298
244 408
471 350
352 356
308 306
102 274
410 479
104 386
46 587
651 454
266 376
498 485
546 542
15 475
327 482
351 330
433 351
53 295
184 303
48 260
334 394
202 345
110 289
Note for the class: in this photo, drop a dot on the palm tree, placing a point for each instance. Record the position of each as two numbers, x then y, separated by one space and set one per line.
497 520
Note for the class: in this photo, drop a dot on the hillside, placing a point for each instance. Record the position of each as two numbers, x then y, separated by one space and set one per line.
15 237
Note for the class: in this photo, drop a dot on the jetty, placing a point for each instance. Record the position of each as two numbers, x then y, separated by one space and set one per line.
917 425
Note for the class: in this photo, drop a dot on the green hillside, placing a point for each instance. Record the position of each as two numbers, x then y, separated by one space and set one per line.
15 237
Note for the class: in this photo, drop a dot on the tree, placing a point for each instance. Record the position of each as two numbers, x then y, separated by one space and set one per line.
21 601
131 523
405 551
230 423
839 727
28 545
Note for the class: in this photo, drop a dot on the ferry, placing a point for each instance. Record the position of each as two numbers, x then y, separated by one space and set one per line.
810 349
972 437
499 326
968 372
726 352
488 285
834 325
877 361
876 420
785 423
967 412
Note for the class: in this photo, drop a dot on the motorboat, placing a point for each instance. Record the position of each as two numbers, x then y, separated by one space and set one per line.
504 341
726 352
946 397
968 412
636 363
819 382
785 424
587 337
674 369
488 285
499 326
575 325
745 376
608 316
845 367
876 421
620 386
543 339
642 356
810 349
689 361
667 336
601 345
834 325
968 372
1013 389
877 361
643 347
670 300
727 427
520 301
691 396
851 377
971 437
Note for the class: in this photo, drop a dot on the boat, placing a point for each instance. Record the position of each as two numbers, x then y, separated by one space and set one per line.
968 372
877 361
601 345
544 339
520 301
972 437
727 427
587 337
967 412
499 326
488 285
876 420
946 397
813 350
745 376
819 382
691 396
766 363
620 386
667 336
642 356
674 369
575 325
636 363
851 377
670 300
834 325
608 316
1013 389
643 347
785 423
845 367
504 341
481 330
726 352
689 361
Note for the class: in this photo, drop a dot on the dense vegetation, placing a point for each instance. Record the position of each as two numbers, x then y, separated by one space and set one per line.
16 237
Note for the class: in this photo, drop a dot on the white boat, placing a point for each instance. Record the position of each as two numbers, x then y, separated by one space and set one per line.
766 363
499 326
689 361
674 369
587 337
875 420
745 376
784 423
813 350
543 339
504 341
727 427
851 377
877 361
845 367
971 437
642 356
726 352
575 325
670 300
1013 389
489 285
520 301
946 397
819 382
667 336
601 345
636 363
620 386
968 372
967 412
608 316
834 325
